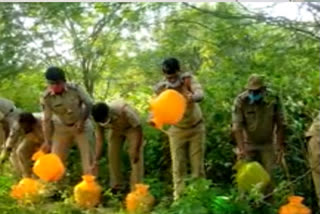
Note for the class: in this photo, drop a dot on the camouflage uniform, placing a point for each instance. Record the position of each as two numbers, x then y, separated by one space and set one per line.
260 124
68 110
314 154
124 125
187 138
24 145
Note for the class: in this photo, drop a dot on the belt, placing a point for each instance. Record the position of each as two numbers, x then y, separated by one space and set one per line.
71 124
190 127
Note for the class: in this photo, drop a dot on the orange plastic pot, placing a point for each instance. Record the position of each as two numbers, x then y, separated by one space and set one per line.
167 108
48 167
26 189
295 206
139 200
87 192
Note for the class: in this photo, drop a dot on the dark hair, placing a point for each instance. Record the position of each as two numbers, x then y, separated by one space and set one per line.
55 74
26 121
170 66
100 112
27 118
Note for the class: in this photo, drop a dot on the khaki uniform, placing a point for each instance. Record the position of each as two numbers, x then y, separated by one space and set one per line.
314 154
8 115
260 123
187 138
3 133
123 125
24 145
68 109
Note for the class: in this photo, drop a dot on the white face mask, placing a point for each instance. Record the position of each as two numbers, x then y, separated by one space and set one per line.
105 123
174 84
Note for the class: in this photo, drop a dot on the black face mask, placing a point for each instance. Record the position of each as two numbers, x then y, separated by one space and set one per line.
27 128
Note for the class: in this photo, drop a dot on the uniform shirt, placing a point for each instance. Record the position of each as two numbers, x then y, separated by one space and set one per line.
259 120
17 133
122 116
193 114
8 115
66 106
6 106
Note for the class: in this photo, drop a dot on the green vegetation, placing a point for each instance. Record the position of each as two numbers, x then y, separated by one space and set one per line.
104 48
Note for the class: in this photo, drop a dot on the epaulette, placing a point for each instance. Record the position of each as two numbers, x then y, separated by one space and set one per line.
160 85
186 75
72 86
45 94
243 96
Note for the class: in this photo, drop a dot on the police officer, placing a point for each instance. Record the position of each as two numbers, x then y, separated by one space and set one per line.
25 139
71 106
8 115
258 123
123 124
313 136
187 138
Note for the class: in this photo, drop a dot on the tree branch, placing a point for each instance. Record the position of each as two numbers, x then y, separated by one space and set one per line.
301 27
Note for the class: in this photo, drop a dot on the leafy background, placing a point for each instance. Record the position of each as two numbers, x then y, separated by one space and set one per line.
114 50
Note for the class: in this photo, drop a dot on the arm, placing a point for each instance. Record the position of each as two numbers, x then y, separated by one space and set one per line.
14 135
239 136
159 87
134 121
47 126
87 104
195 88
238 124
1 116
99 132
139 144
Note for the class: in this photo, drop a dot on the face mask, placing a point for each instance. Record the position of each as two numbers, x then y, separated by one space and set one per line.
105 123
254 97
27 128
174 84
57 88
